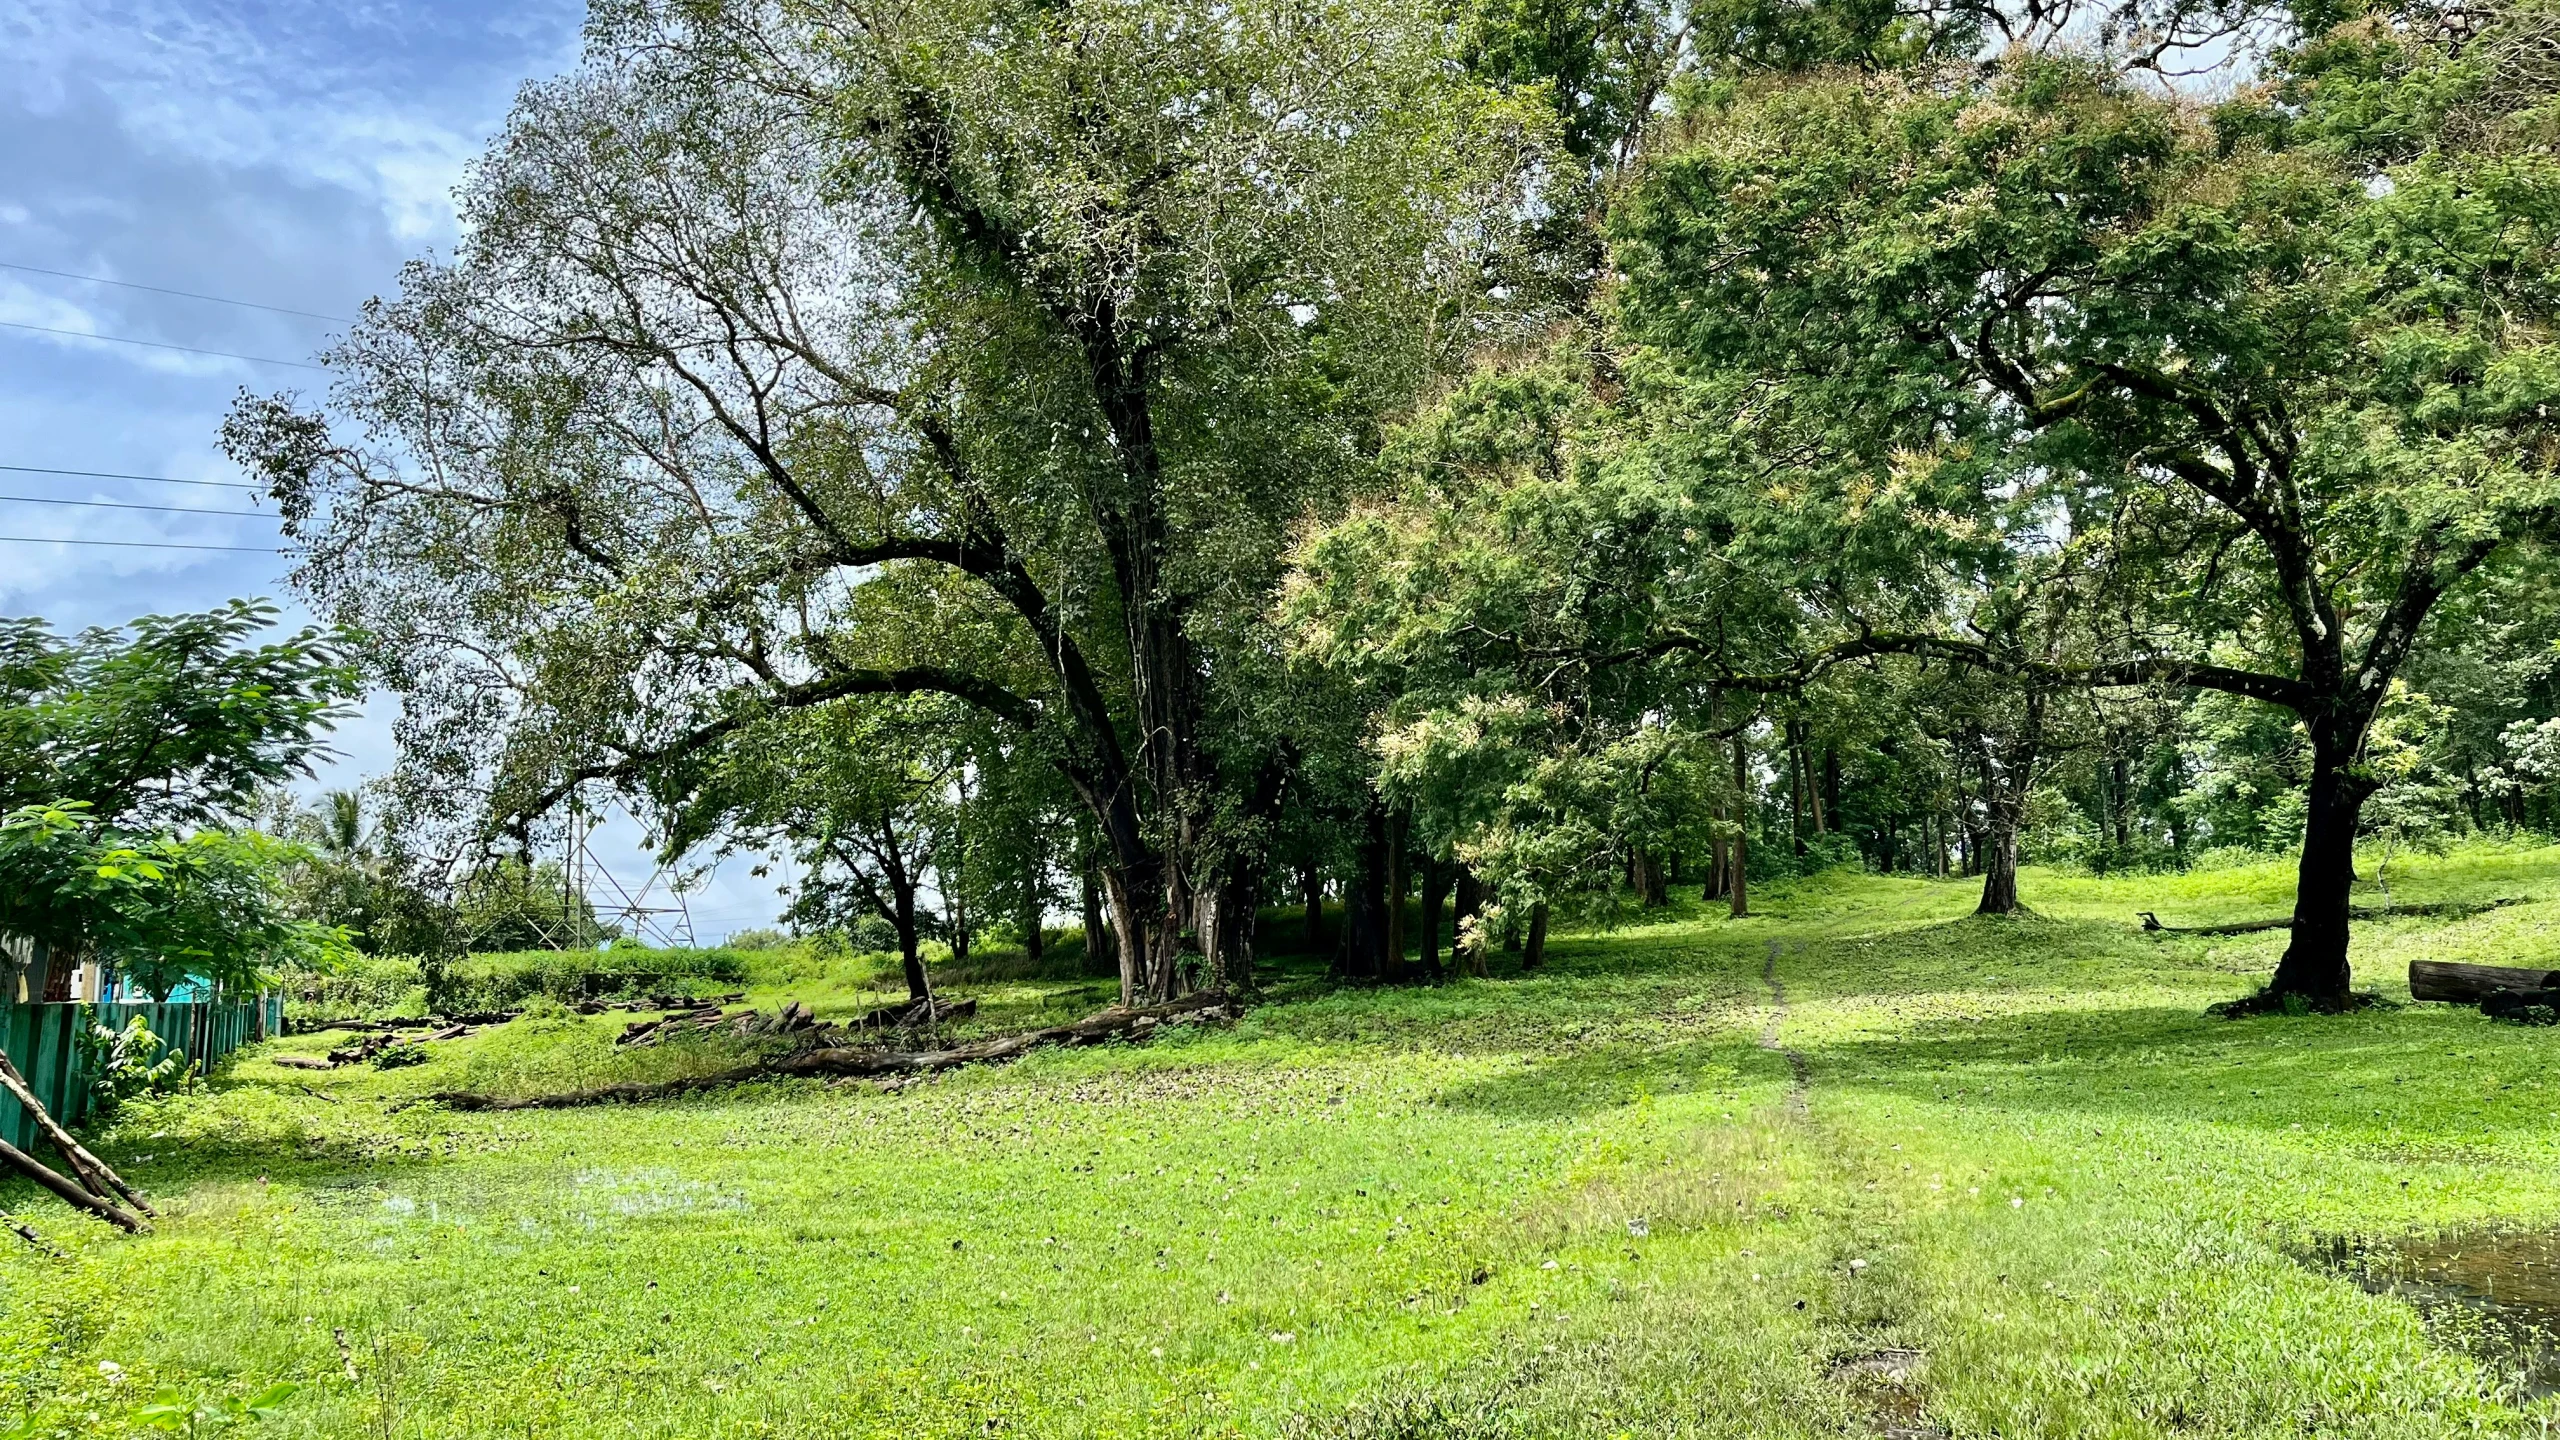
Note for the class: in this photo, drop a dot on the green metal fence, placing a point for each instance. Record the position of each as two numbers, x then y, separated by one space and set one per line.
44 1042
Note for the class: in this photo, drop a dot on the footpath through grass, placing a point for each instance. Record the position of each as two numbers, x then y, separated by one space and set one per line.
2023 1188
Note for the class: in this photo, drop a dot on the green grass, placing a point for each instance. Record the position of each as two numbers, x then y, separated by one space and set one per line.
1394 1213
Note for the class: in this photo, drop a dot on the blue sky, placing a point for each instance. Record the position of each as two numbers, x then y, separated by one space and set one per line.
292 154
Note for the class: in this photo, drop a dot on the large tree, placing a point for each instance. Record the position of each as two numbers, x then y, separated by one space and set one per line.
2287 363
796 354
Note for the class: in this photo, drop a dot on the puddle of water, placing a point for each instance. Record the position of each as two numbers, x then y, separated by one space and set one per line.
2494 1293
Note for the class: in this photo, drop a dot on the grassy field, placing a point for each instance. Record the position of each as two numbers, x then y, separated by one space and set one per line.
1860 1165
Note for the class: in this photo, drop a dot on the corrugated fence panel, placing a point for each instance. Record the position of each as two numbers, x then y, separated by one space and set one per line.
44 1042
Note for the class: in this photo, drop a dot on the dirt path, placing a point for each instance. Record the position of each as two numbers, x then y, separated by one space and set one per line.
1778 1017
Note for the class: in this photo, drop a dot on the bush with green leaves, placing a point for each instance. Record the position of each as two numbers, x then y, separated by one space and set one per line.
123 1063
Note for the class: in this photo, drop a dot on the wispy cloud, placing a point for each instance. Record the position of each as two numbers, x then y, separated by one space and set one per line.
292 153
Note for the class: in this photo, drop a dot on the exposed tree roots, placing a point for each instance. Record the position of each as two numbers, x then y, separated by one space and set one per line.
2291 1002
1110 1024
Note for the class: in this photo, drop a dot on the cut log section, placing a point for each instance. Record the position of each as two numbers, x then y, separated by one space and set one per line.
1110 1024
2470 984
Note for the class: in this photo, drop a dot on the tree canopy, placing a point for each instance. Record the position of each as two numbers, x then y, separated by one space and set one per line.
1544 447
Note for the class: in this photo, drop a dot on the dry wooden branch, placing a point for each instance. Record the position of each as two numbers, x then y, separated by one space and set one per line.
95 1173
840 1060
44 1175
2438 909
906 1014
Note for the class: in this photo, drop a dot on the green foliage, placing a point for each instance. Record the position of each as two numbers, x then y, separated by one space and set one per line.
162 909
124 1063
400 985
171 721
173 1410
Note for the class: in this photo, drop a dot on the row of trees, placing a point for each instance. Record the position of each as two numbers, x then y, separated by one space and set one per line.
1530 454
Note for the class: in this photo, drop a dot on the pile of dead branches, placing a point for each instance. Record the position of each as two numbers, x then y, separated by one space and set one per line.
500 1017
819 1057
374 1047
91 1185
796 1018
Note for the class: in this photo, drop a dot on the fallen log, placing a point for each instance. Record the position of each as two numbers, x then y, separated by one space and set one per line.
363 1050
2443 909
840 1060
932 1010
650 1032
303 1062
2470 984
95 1173
72 1195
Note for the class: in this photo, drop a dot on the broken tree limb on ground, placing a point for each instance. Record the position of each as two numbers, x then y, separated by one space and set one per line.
793 1018
911 1014
827 1060
72 1195
93 1172
2440 910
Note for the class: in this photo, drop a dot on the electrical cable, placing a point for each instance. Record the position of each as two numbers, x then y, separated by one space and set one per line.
140 544
120 475
165 290
127 505
162 345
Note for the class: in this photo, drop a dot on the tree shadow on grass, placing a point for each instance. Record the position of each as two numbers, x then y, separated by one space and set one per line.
1605 1077
2380 1073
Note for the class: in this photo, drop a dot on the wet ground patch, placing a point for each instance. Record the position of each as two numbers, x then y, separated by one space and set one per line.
2491 1291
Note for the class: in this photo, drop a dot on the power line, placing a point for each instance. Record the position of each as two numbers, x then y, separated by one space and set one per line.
140 544
164 290
120 475
126 505
161 345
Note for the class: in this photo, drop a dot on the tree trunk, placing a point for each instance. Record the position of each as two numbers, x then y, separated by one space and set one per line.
911 957
2005 797
2315 961
1311 884
1831 787
1398 882
1142 931
1796 785
1713 889
1435 893
2123 774
1098 958
1226 925
1737 878
1814 797
1536 953
1362 954
2000 873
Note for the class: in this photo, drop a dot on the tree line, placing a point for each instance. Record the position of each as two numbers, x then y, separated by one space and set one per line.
1527 457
